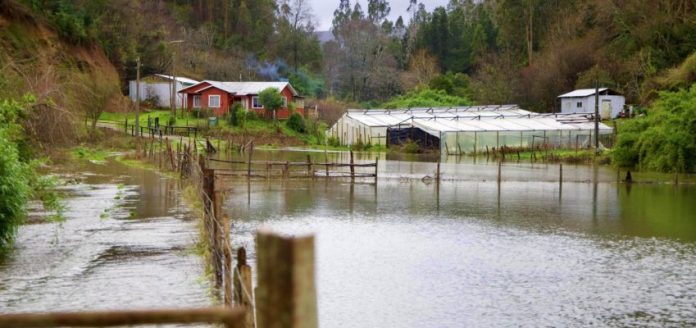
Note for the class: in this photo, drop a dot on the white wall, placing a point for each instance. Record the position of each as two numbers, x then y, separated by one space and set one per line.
569 105
161 90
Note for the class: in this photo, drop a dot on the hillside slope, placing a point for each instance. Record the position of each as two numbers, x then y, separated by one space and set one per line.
62 76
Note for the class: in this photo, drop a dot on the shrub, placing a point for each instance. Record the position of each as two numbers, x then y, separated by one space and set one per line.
663 141
296 123
334 142
427 98
251 115
411 147
237 115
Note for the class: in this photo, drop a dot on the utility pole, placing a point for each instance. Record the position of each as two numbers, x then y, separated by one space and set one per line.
172 98
173 93
137 96
596 116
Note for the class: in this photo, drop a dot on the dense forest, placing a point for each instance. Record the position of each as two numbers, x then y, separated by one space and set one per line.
491 51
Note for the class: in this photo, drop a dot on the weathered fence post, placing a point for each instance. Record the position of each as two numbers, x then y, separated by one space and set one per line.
560 172
251 151
286 294
227 252
437 172
352 167
500 169
376 167
242 287
310 173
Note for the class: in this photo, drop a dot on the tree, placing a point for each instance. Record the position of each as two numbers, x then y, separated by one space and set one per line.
94 96
271 100
296 42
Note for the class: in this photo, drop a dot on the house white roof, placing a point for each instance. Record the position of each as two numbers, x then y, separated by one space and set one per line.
181 79
249 88
579 93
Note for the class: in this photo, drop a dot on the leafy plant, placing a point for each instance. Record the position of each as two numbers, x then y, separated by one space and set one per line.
271 99
296 123
663 141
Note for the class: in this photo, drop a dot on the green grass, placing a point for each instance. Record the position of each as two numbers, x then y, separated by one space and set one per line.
90 154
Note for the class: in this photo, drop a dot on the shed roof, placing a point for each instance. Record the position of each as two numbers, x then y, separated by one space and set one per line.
181 79
587 92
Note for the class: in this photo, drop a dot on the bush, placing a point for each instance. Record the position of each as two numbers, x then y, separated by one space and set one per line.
663 141
334 142
296 123
251 115
427 98
237 115
14 191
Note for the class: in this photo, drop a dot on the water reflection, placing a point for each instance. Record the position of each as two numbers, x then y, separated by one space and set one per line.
125 243
469 251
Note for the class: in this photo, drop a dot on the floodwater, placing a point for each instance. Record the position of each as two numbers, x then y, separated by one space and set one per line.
470 252
126 243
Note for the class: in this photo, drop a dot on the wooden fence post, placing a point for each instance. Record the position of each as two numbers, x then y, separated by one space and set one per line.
286 293
352 167
310 173
500 171
251 151
227 252
243 292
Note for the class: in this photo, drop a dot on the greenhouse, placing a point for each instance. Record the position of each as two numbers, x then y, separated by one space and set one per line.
361 126
468 129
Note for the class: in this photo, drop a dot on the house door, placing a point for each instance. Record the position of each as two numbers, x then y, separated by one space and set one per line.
605 112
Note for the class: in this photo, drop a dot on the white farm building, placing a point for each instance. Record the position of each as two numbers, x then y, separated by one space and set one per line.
470 129
158 87
611 103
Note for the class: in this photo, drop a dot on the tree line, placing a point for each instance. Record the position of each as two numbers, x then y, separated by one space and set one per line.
490 51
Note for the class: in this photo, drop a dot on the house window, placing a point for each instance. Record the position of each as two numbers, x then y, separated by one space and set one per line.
285 102
579 105
197 101
255 103
214 101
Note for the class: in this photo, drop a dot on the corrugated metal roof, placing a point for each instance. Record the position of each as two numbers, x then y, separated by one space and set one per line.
181 79
582 93
250 88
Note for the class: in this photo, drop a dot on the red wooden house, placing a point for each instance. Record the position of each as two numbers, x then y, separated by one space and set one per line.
220 96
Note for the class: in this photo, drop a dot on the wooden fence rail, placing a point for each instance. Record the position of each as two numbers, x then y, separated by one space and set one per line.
295 170
230 317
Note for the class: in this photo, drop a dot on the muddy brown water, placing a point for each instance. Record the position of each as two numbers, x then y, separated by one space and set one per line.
126 243
529 252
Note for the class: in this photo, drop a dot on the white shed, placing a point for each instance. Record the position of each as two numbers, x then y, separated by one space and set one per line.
611 103
158 86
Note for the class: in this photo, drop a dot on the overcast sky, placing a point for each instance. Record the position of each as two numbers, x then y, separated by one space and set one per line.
323 10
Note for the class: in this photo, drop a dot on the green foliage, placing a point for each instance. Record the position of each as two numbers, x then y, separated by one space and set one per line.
271 99
296 123
14 190
251 115
19 180
334 142
427 98
237 115
411 147
665 139
306 83
456 84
